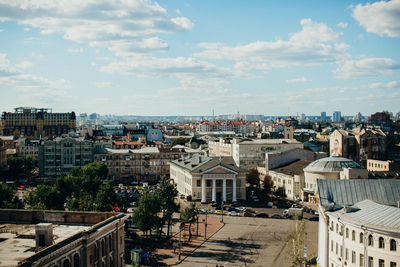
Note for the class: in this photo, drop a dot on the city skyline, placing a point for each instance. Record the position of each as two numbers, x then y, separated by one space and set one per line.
192 57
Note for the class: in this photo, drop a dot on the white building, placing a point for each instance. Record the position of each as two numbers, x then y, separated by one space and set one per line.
354 230
209 179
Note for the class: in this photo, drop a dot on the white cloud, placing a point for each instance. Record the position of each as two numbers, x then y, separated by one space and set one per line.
24 65
315 44
26 29
75 50
299 80
103 84
177 11
1 30
381 18
100 23
368 67
382 85
342 25
5 67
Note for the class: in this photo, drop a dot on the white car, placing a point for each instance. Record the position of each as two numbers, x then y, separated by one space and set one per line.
130 210
241 208
233 213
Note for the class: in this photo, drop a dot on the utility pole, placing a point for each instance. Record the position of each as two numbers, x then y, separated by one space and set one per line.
205 228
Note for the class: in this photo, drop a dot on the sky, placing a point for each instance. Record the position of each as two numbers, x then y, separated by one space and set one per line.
183 57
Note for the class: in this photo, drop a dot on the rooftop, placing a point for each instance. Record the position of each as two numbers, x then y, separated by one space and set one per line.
293 168
17 241
331 164
371 215
200 163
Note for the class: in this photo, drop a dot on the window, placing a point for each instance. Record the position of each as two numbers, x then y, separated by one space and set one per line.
353 257
370 241
341 251
361 260
370 262
393 245
381 263
347 232
208 183
361 238
198 183
76 260
347 254
381 242
337 248
393 264
353 235
332 245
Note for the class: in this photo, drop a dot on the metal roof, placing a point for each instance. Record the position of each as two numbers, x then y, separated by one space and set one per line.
331 164
372 215
341 193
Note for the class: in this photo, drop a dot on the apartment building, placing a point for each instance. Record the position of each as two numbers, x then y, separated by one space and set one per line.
34 122
57 157
238 127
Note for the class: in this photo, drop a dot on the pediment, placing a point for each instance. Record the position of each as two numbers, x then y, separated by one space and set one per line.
219 170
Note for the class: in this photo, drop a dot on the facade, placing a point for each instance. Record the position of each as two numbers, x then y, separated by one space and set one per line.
143 164
33 122
3 156
209 179
250 153
353 229
28 147
329 168
374 165
75 239
337 116
57 157
277 159
323 116
154 135
238 127
290 126
220 148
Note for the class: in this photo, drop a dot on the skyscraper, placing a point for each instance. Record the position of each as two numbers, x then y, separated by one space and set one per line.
323 116
337 116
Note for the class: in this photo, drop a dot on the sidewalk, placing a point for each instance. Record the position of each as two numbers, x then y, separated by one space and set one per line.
167 256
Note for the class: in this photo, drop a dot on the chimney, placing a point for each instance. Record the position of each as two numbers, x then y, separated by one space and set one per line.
44 234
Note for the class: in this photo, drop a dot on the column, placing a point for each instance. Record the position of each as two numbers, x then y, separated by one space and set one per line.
224 190
203 190
234 190
214 191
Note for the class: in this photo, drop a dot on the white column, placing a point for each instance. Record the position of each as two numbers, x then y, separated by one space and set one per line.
234 190
203 190
214 191
224 190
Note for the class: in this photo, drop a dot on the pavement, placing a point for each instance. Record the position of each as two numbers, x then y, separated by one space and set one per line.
168 256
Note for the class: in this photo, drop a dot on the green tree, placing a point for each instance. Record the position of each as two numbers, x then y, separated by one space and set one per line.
189 216
21 167
179 141
105 198
145 216
267 184
280 191
6 195
167 193
253 178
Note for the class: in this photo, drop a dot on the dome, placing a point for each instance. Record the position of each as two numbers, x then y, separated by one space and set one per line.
331 164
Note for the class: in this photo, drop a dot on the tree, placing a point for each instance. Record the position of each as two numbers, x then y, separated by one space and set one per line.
8 199
105 198
253 178
280 191
189 216
167 193
145 216
21 167
179 141
267 183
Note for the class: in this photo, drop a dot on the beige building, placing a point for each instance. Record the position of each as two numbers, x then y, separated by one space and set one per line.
220 148
209 179
61 238
374 165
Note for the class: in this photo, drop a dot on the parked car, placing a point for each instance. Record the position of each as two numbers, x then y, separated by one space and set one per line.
256 200
270 204
247 214
241 208
215 204
181 196
130 210
314 219
276 216
233 213
262 215
232 209
219 212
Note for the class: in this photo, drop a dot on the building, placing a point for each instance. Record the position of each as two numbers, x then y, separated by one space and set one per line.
358 144
61 238
57 157
290 126
337 116
329 168
142 164
238 127
323 116
374 165
153 135
83 119
359 223
220 148
33 122
112 129
250 153
209 179
381 119
27 147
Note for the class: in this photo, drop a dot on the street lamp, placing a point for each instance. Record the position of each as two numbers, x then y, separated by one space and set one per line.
222 212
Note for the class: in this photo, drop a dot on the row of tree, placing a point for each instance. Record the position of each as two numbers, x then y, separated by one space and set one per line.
8 198
267 185
84 189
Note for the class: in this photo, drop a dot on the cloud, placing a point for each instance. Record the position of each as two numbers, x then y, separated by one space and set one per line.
24 65
1 30
342 25
75 50
382 85
381 18
103 84
368 67
177 11
103 23
315 44
5 67
26 29
299 80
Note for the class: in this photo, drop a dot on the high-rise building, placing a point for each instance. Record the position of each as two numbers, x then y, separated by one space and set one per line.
83 118
323 116
34 122
337 116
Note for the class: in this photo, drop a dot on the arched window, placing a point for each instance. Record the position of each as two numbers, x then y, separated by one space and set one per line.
76 260
370 241
393 245
361 238
103 252
353 235
66 263
110 243
381 242
347 232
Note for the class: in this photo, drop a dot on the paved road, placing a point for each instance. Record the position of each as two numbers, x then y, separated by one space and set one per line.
254 241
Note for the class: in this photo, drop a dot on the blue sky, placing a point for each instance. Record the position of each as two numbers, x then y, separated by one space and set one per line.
189 57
